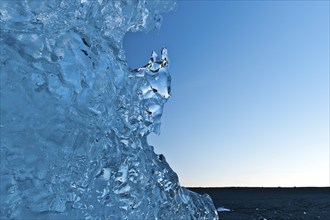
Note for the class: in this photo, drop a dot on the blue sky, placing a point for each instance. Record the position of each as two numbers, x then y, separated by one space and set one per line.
250 92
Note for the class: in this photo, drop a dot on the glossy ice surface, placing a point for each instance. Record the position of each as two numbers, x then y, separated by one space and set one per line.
75 117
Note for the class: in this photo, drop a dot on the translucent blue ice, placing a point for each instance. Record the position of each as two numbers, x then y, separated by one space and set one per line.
75 117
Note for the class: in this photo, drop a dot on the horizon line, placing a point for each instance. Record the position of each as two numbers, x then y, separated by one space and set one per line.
256 186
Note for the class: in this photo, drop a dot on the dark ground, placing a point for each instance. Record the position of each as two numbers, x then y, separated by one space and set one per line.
270 203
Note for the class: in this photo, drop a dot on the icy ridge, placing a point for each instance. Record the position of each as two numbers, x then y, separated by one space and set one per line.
75 117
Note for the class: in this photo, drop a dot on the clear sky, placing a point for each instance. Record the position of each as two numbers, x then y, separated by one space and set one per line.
250 92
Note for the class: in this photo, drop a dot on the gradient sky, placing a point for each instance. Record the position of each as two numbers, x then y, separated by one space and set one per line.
250 92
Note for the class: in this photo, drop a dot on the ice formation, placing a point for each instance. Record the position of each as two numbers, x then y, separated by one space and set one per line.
75 118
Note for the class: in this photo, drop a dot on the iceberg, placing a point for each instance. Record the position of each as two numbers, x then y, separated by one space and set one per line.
75 118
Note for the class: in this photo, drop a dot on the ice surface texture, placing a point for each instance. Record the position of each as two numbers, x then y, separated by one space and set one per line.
75 118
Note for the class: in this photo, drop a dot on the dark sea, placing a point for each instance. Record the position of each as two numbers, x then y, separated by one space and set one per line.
235 203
